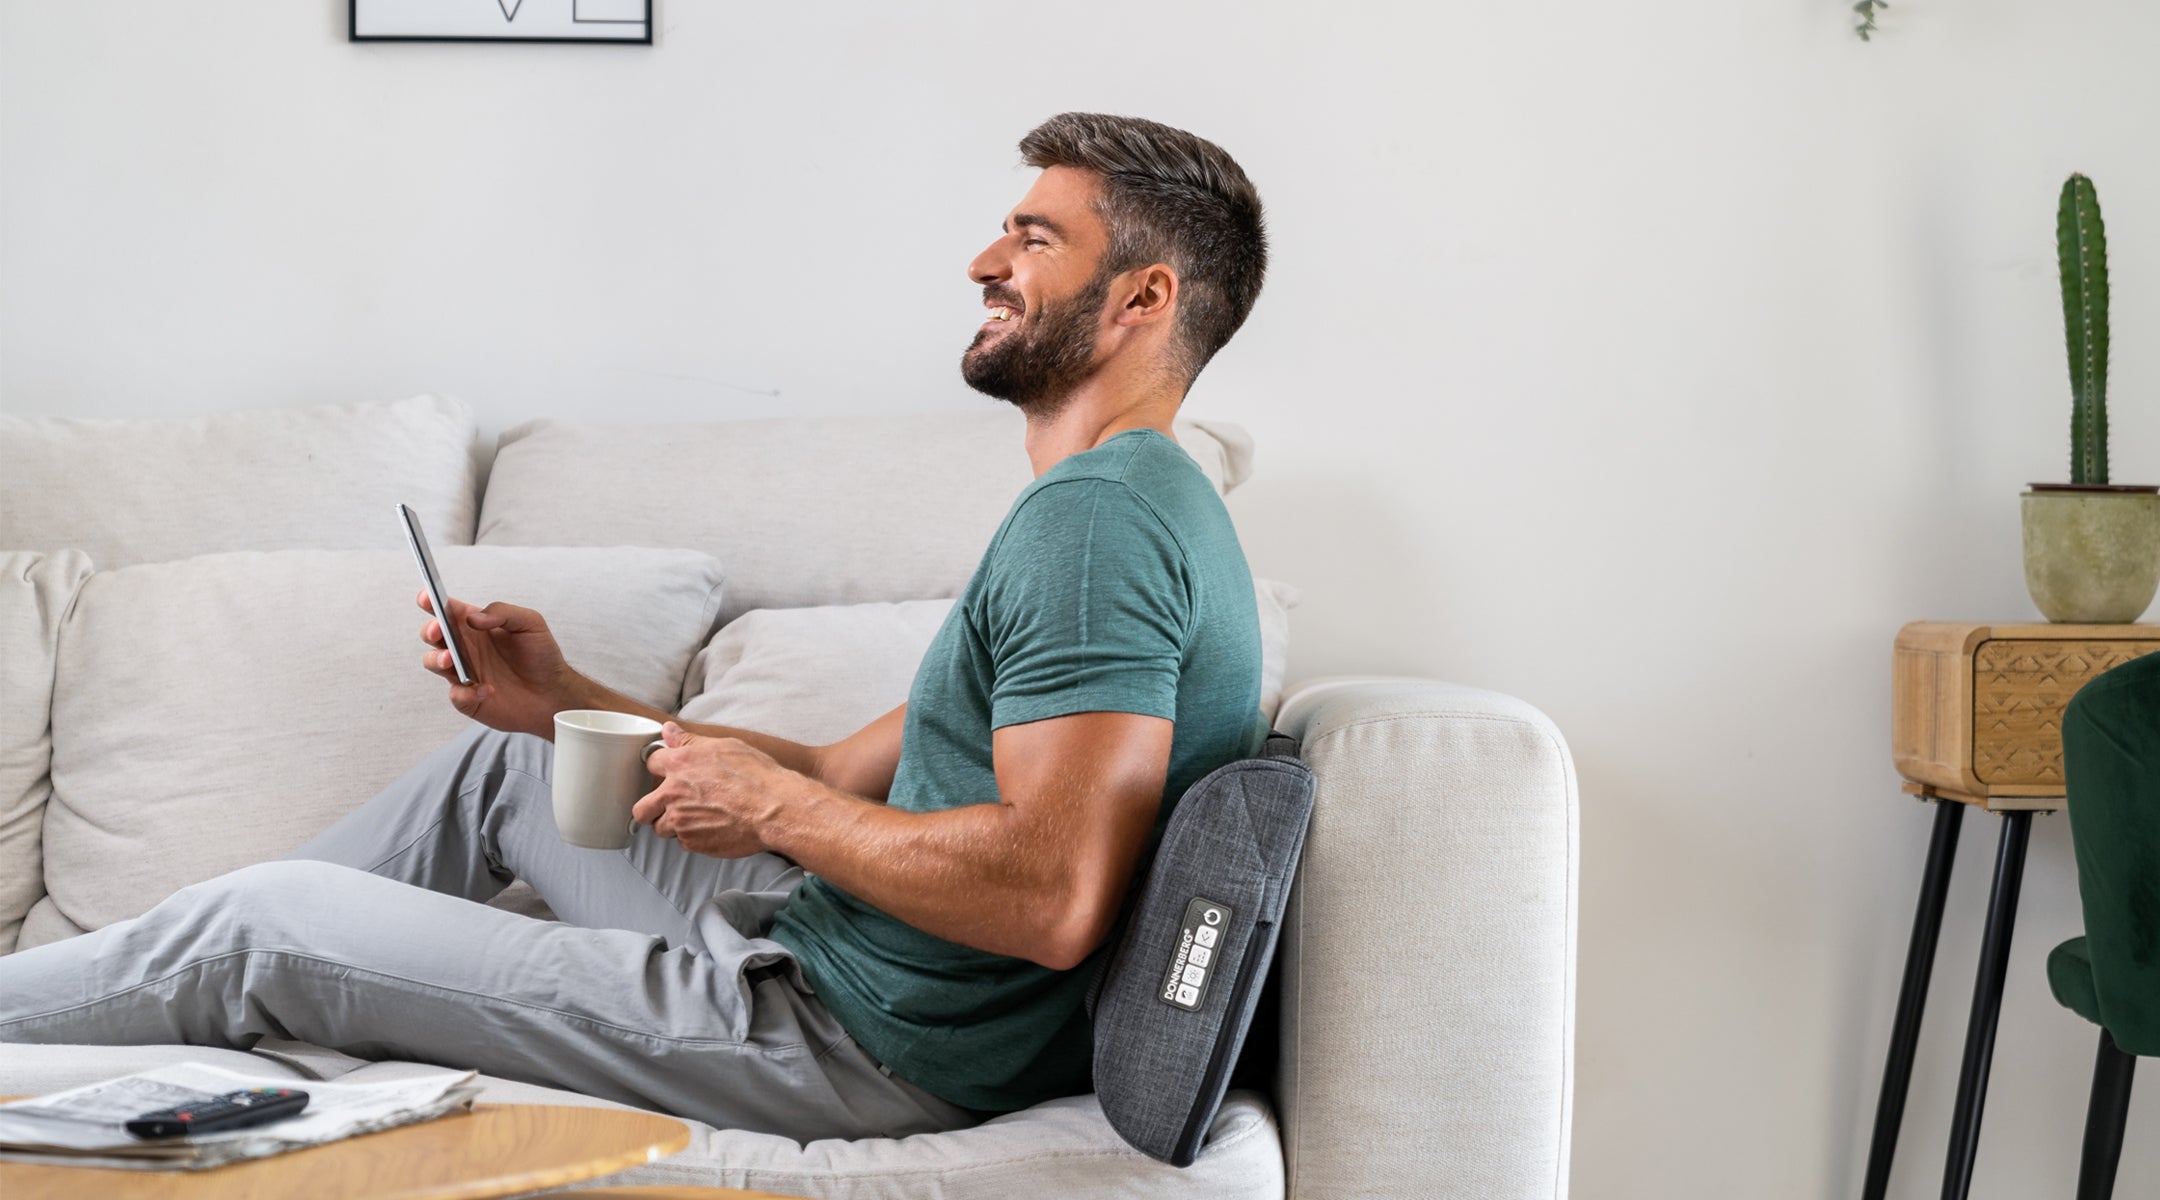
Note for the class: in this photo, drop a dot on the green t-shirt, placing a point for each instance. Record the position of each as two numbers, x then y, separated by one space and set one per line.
1115 583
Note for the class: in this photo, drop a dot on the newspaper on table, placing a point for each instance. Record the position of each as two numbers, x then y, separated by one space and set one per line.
86 1126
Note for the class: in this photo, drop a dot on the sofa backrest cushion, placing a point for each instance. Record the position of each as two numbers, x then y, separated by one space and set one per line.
804 511
818 674
221 710
813 675
265 479
36 592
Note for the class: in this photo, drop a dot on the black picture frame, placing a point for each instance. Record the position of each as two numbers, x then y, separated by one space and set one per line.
353 34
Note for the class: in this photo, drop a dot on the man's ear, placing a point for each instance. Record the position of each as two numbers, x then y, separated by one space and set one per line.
1150 294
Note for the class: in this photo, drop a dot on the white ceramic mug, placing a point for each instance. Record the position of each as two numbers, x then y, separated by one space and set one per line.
600 773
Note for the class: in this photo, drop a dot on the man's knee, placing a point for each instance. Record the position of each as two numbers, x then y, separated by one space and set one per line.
291 881
240 906
474 767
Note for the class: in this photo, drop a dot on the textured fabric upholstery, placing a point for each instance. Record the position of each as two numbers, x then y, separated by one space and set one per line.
218 711
801 510
1429 948
325 477
36 592
2111 769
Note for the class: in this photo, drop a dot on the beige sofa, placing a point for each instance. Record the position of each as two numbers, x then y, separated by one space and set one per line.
209 651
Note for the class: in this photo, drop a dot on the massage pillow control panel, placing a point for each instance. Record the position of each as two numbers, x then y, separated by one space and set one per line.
1199 942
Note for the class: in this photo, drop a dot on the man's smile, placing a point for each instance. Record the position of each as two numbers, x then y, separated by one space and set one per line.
1002 304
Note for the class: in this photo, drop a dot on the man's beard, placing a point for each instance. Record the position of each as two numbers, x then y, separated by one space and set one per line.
1037 366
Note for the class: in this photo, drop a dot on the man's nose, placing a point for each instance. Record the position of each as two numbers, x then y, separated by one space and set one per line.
991 266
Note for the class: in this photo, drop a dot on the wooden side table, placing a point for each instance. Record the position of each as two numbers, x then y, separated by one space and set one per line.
1977 722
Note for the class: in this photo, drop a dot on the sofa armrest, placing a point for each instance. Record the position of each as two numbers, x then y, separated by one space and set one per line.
1428 951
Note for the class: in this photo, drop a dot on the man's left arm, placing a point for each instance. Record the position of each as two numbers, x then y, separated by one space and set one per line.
1038 872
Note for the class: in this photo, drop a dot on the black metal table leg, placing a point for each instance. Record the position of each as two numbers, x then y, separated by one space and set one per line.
1912 996
1986 1006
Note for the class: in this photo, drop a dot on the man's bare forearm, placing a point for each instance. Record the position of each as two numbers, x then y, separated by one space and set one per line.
972 874
795 756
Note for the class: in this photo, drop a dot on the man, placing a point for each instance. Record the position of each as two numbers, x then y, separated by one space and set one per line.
887 935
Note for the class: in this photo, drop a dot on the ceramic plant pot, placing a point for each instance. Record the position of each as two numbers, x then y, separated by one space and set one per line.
2092 551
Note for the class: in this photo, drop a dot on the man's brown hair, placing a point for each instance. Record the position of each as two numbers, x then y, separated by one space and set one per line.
1169 197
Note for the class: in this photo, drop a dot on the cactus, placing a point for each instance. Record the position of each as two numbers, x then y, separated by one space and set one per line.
2081 248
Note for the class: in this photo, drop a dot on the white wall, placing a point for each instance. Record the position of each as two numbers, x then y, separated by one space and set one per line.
1651 362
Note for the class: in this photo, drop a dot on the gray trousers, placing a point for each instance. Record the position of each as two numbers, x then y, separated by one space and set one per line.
656 988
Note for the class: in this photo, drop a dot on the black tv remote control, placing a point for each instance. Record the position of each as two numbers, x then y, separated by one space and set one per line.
233 1110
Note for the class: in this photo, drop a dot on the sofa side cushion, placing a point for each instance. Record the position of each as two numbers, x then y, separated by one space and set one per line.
36 592
221 710
804 510
260 479
1428 953
817 674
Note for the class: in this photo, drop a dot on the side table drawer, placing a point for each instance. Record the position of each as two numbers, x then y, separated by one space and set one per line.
2020 689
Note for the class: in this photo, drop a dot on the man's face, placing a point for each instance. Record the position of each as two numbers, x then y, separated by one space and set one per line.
1043 295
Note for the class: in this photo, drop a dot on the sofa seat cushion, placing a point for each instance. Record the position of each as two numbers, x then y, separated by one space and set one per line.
1056 1149
33 1070
265 479
221 710
1062 1147
803 510
36 592
820 673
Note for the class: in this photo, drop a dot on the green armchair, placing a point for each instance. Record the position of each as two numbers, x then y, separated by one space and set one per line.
2111 976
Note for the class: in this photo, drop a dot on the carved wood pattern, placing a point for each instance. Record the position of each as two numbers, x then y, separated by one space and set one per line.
2019 691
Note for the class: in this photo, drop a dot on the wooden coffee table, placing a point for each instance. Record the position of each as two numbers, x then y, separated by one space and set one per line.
495 1150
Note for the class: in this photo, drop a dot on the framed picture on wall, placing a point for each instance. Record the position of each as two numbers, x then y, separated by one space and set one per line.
625 21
